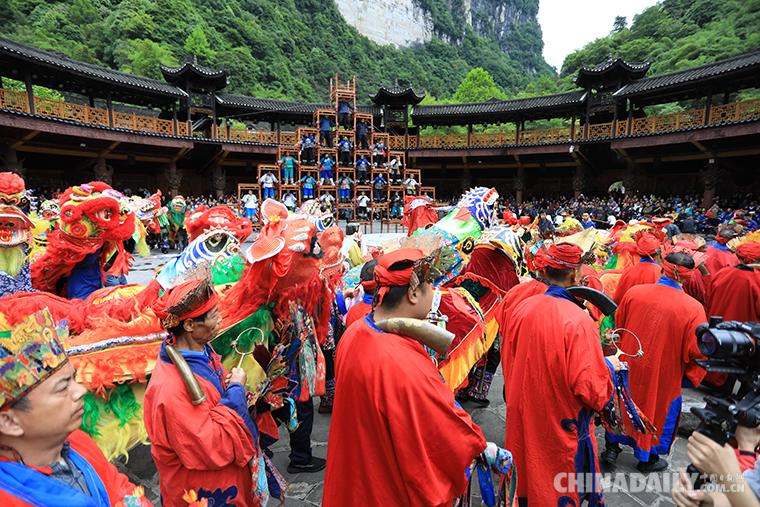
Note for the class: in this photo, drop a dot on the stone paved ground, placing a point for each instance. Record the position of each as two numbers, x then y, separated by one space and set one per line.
306 489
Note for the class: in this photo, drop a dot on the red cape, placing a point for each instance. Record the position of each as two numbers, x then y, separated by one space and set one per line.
717 259
356 312
735 294
396 436
556 377
640 273
196 446
665 319
117 485
418 214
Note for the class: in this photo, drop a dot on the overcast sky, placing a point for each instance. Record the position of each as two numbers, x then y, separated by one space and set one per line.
569 25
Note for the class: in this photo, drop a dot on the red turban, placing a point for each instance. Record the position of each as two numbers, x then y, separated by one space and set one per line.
647 244
675 272
186 301
564 256
539 260
369 286
385 278
749 252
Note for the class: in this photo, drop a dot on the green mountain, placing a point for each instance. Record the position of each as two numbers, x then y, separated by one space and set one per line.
286 48
674 35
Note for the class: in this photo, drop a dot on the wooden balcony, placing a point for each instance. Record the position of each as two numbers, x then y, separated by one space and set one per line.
747 110
85 114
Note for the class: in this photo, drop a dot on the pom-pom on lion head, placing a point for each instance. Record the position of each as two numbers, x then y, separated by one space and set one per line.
218 217
93 211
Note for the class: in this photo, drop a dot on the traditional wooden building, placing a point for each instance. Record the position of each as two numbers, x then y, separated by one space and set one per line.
64 121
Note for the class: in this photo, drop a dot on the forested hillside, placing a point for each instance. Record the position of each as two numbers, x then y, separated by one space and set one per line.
277 48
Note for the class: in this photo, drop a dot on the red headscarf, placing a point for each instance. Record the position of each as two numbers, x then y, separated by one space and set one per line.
385 278
186 301
647 244
564 256
539 260
749 252
675 272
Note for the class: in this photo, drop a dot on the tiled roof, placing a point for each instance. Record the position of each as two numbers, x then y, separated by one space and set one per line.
396 93
279 106
213 78
15 50
588 75
500 107
284 106
686 77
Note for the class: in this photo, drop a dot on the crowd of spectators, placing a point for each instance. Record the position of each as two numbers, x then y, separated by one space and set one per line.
603 211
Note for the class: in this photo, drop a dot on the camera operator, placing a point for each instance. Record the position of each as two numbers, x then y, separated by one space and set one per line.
721 462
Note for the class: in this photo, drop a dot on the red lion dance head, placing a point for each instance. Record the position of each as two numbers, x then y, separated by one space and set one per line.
218 217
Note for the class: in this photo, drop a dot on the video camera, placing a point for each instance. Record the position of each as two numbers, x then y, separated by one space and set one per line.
732 348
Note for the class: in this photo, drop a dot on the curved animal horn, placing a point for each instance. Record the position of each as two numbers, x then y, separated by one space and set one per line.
197 396
424 332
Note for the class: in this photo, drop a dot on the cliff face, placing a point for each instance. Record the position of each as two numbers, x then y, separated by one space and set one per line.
398 22
406 22
512 25
504 20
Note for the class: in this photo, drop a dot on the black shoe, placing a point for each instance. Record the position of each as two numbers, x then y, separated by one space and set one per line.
479 403
610 455
658 465
315 465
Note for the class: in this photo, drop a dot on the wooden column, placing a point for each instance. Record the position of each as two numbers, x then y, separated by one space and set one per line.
629 128
109 106
92 101
469 134
29 91
279 132
174 117
572 127
708 109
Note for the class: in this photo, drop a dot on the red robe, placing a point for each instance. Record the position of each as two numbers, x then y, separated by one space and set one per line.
665 319
557 378
396 436
719 257
418 214
203 447
357 312
117 485
644 271
735 294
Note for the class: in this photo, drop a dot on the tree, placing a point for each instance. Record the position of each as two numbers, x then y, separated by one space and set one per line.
478 86
144 56
197 43
619 24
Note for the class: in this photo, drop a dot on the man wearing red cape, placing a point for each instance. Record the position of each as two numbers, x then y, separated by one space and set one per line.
396 435
418 213
555 379
203 441
719 256
735 290
664 318
647 270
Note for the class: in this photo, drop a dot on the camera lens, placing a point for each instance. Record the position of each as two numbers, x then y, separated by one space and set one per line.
724 343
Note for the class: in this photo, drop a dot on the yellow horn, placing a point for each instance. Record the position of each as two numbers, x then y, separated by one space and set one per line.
197 396
424 332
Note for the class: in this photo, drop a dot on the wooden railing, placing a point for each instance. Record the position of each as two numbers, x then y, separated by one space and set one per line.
746 110
543 136
15 101
736 111
396 142
81 113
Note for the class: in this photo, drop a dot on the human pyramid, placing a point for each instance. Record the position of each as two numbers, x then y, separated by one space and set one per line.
222 346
